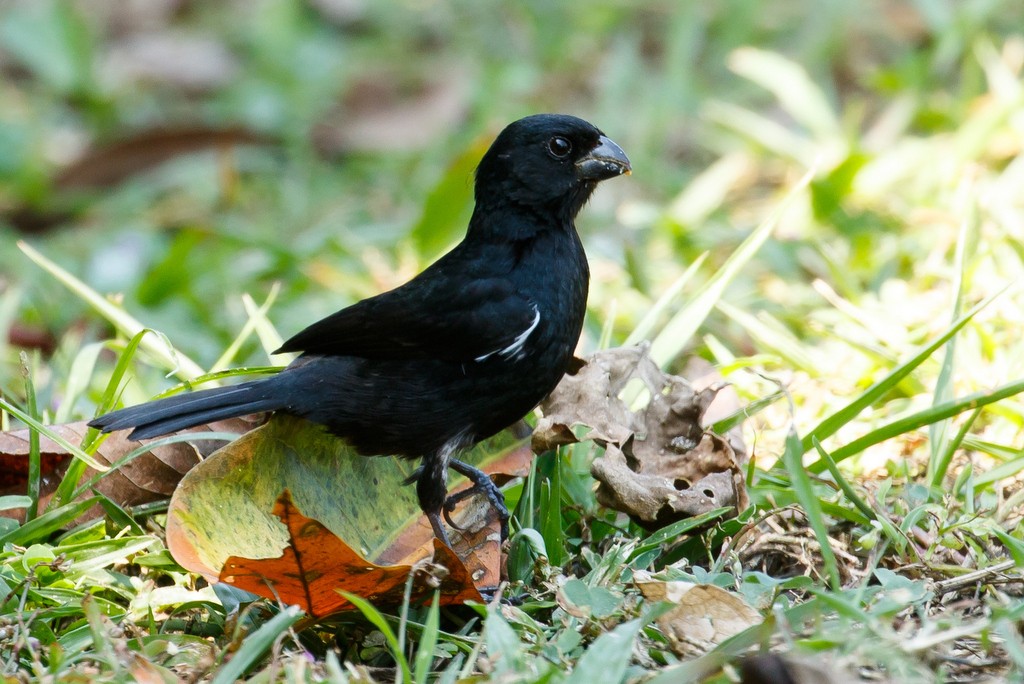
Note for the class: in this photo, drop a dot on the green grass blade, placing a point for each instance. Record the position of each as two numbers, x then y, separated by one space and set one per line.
708 190
653 315
722 426
104 651
938 432
110 393
46 524
14 501
79 378
793 460
65 490
504 648
837 420
1014 546
379 621
171 360
938 466
771 336
255 645
35 425
673 338
790 83
270 339
250 326
428 639
919 420
1003 471
239 372
149 446
844 485
608 657
672 532
35 473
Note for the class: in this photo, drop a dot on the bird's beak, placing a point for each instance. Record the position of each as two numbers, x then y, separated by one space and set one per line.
607 160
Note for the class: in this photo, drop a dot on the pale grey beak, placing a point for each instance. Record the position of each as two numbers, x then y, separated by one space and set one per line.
607 160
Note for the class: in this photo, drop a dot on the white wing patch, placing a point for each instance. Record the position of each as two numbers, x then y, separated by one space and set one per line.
515 350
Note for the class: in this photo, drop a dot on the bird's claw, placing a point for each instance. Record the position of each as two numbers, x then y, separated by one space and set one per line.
482 484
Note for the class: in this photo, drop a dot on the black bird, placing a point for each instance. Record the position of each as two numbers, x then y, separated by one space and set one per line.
461 351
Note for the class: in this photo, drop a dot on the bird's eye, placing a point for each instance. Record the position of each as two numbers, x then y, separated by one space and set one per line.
559 147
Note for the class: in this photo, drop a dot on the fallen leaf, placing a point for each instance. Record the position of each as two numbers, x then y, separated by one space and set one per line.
222 508
30 337
652 499
315 564
149 477
109 164
660 465
773 668
703 615
386 111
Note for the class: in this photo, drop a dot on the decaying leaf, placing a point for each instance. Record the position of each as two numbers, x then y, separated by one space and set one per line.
222 511
149 477
703 615
114 162
659 465
315 564
392 112
787 669
106 165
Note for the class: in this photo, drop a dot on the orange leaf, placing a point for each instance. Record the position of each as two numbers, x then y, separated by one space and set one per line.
316 564
221 515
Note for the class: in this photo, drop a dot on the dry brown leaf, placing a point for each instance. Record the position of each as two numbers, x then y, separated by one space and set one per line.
773 668
316 564
108 164
389 112
111 163
659 466
703 615
31 337
220 513
149 477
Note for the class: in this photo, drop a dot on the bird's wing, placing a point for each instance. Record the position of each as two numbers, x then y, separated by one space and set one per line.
445 318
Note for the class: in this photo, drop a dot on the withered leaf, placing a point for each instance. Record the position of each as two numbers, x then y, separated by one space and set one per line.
703 615
659 465
316 564
390 112
222 509
149 477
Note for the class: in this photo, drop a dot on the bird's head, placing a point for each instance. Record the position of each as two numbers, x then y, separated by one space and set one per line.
547 162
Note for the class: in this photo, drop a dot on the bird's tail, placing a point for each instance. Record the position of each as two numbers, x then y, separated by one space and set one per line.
190 409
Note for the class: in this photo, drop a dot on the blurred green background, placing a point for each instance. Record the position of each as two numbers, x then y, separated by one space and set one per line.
181 153
197 163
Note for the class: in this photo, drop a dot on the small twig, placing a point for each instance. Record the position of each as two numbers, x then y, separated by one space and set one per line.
954 583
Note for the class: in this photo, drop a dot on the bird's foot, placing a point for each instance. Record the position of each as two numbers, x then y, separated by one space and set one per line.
482 484
435 523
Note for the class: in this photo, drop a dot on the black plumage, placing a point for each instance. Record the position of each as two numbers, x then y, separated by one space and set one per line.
460 352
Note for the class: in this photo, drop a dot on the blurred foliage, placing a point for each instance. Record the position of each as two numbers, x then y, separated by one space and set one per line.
331 216
184 154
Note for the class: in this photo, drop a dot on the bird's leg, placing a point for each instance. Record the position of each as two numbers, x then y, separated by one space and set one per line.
435 522
431 490
482 484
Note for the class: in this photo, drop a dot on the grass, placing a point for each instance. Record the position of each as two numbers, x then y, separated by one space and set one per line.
870 326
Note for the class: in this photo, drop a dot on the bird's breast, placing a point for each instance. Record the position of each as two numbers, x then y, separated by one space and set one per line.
552 273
